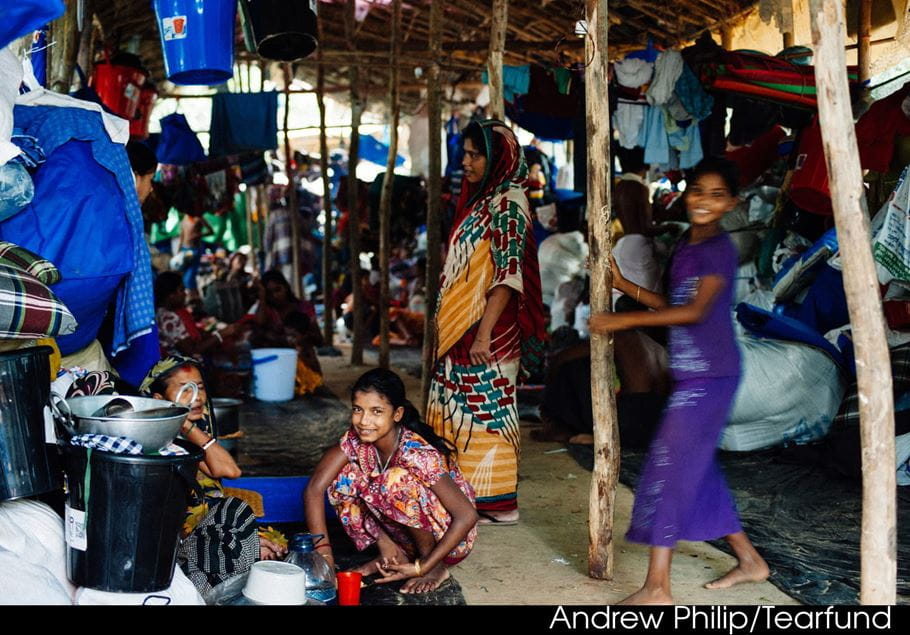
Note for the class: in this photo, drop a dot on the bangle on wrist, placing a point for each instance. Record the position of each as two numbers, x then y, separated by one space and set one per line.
417 567
190 429
209 444
325 544
218 336
637 292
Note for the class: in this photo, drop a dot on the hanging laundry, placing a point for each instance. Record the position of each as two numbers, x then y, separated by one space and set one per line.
628 120
516 81
563 79
667 69
630 112
654 137
544 97
692 96
243 122
178 144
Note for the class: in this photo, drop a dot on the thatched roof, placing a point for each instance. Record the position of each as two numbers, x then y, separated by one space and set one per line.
539 31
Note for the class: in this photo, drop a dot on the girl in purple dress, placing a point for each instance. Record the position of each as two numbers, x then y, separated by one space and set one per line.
682 494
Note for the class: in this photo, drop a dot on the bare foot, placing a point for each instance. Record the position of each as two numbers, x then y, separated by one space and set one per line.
645 596
745 571
428 582
498 518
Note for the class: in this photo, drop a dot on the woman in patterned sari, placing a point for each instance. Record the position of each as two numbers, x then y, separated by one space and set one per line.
489 320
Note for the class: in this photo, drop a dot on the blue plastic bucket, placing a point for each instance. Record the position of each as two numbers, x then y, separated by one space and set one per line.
197 37
274 372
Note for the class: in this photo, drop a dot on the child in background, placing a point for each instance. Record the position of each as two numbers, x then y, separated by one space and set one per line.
395 483
221 537
682 494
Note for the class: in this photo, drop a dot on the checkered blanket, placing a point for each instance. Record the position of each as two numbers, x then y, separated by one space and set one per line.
848 417
29 309
12 255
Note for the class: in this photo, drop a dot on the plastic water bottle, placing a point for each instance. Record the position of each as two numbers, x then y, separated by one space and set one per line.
320 578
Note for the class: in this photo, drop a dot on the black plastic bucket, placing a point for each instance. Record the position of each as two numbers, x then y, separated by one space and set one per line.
123 535
28 465
283 30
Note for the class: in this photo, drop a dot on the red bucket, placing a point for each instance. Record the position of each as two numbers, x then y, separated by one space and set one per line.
119 87
139 124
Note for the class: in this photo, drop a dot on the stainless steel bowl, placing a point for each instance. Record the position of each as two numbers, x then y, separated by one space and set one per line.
152 434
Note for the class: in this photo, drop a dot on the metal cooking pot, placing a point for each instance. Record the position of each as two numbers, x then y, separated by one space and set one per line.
227 415
75 416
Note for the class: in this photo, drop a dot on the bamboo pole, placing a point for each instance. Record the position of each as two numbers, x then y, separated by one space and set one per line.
606 432
434 200
61 57
878 568
864 39
385 201
354 212
327 286
726 37
497 48
292 186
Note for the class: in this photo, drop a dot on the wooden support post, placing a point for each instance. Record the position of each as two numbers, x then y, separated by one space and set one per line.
357 105
61 57
434 199
292 185
789 40
726 37
248 200
385 200
878 550
328 325
494 66
85 53
606 430
863 40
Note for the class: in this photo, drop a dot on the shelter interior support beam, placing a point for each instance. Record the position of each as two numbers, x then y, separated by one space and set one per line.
606 429
494 67
292 186
328 320
385 199
878 548
357 107
864 39
434 196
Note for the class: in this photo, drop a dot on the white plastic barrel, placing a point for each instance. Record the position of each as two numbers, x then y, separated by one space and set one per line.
274 371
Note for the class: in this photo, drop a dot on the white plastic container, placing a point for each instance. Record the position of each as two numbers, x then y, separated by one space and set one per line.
275 583
274 371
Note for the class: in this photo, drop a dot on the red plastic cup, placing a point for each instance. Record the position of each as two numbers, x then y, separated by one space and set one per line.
349 588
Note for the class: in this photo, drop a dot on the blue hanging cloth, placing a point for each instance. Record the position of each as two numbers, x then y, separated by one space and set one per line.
243 122
178 144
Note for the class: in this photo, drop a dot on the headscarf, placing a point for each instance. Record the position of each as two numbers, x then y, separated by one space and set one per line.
509 170
506 169
165 367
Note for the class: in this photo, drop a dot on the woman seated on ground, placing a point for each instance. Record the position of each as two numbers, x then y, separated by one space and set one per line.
220 537
395 483
177 330
282 321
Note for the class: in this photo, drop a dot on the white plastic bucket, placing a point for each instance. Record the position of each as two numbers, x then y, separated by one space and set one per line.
274 371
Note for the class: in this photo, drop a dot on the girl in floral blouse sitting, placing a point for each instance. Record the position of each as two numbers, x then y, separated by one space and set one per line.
395 483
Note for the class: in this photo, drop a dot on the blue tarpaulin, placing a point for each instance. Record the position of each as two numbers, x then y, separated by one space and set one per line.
374 151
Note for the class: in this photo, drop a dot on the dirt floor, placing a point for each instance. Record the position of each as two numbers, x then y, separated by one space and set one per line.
543 559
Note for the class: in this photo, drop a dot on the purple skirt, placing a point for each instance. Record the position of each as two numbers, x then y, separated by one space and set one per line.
682 494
